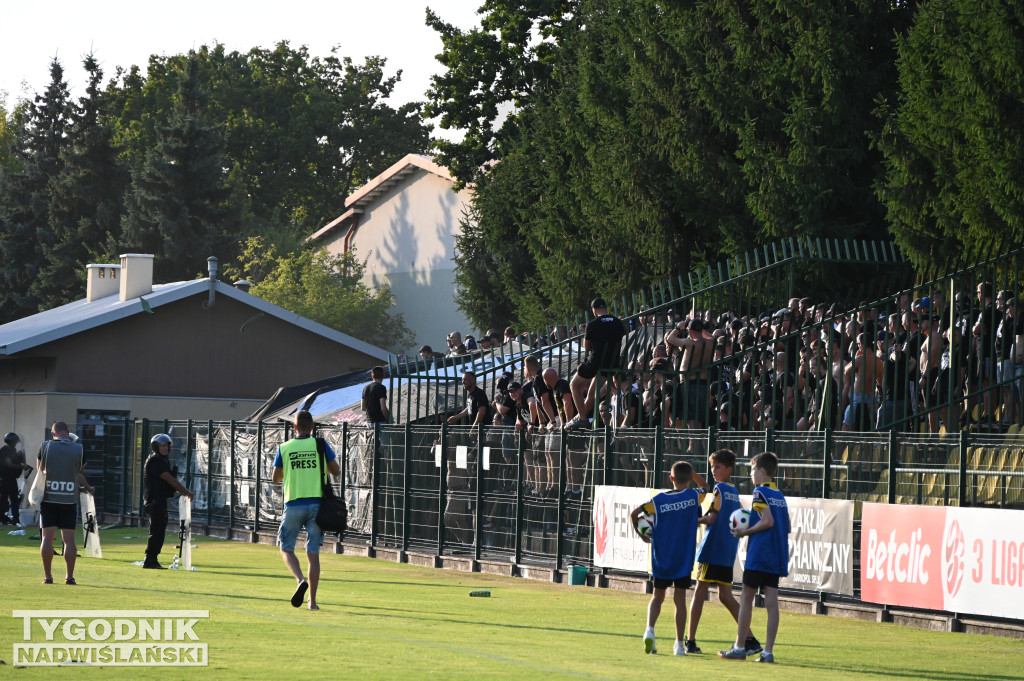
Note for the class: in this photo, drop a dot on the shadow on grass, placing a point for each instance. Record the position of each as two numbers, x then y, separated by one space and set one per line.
875 671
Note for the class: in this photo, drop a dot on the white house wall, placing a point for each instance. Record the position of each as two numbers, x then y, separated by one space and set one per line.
409 235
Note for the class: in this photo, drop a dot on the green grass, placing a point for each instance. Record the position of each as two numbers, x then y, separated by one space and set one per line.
381 620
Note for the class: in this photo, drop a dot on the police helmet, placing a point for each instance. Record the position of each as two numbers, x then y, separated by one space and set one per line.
12 439
159 439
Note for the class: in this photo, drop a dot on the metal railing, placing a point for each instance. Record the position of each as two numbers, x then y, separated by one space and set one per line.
497 493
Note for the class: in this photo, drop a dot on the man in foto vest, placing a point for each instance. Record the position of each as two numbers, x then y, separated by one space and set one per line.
63 460
297 465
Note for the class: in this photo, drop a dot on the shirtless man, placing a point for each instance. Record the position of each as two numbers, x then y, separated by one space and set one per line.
863 375
698 353
932 390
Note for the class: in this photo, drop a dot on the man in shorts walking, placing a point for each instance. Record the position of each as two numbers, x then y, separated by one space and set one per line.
297 465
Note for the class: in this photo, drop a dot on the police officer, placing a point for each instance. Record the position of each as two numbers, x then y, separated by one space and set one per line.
12 464
161 484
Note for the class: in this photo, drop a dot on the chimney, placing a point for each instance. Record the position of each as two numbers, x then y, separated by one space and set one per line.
101 281
136 275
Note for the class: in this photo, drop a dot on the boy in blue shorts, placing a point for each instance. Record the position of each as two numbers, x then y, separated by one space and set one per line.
767 556
717 551
673 543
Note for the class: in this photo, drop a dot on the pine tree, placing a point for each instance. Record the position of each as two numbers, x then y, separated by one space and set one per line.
85 200
178 206
24 196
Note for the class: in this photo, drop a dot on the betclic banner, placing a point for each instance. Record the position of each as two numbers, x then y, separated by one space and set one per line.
963 560
820 545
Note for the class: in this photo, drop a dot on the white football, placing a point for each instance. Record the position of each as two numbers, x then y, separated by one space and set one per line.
644 525
740 519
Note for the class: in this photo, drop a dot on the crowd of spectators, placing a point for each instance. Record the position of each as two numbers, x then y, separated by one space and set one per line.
909 364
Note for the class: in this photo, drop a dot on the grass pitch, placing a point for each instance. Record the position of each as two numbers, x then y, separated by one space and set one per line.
380 620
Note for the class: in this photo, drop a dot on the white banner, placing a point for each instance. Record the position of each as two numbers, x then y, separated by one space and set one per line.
962 560
820 545
616 545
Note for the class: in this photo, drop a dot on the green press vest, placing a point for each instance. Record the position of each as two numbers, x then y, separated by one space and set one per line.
301 464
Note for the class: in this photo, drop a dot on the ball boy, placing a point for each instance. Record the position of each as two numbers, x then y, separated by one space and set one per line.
673 543
767 556
717 551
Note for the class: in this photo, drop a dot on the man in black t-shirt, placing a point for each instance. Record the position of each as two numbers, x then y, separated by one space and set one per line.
12 463
375 398
161 484
478 406
603 343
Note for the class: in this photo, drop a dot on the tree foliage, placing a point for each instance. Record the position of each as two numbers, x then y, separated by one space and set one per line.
644 137
186 159
952 142
325 288
25 192
179 203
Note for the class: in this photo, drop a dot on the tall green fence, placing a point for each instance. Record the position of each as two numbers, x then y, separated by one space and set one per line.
483 493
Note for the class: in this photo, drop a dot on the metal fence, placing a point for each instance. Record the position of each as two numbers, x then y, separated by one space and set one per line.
497 493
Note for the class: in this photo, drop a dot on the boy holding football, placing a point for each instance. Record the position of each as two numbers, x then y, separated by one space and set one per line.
717 551
767 556
673 539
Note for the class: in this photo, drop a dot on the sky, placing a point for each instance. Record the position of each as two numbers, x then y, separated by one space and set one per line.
123 33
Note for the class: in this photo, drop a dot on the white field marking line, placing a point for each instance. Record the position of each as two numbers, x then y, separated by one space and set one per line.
358 632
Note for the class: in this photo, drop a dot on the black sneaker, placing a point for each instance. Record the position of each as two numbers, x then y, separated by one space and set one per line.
691 647
575 423
300 593
752 646
152 566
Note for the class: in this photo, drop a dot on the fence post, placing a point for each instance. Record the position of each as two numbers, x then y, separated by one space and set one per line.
560 506
826 466
140 488
231 494
892 467
442 483
478 519
209 474
257 462
374 472
188 450
344 454
961 497
520 469
405 487
659 450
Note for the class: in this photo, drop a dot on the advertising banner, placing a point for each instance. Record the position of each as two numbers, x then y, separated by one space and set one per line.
962 560
820 545
616 545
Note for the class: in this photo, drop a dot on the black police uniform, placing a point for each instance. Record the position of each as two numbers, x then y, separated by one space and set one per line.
158 491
